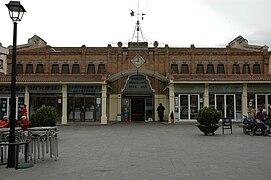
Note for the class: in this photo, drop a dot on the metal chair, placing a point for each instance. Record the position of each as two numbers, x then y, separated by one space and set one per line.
226 124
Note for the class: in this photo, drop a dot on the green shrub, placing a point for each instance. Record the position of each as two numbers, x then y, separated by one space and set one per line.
44 116
208 116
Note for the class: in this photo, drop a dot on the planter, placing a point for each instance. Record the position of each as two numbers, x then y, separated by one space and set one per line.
208 129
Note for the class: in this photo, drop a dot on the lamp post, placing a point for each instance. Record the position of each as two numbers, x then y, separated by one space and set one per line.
16 12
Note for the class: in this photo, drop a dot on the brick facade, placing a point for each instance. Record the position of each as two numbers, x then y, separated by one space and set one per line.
162 66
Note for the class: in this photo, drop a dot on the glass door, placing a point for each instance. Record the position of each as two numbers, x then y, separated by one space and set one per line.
183 99
226 103
149 108
263 101
260 102
194 106
189 106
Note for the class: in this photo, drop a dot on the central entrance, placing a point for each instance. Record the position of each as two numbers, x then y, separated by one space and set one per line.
137 100
138 109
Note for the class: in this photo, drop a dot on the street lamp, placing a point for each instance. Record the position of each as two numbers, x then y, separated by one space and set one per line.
16 12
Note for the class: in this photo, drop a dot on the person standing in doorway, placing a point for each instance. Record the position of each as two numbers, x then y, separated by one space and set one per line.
160 111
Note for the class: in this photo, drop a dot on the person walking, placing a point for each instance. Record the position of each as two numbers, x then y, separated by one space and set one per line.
160 111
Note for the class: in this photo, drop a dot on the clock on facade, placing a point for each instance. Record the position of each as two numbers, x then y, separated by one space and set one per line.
138 61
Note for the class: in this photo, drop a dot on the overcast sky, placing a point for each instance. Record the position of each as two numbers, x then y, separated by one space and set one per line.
178 23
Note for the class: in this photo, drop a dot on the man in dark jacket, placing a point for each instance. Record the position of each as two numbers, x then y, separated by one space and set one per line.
160 111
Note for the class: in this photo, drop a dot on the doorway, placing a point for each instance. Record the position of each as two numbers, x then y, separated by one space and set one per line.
226 103
84 108
37 101
189 106
263 101
138 109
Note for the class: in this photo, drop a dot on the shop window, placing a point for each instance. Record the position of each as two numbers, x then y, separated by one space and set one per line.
29 69
75 69
235 69
39 69
19 69
174 69
55 69
200 69
246 69
91 69
220 69
184 69
65 69
210 69
256 69
101 69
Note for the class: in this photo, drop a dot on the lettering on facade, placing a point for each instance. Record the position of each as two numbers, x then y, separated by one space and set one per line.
44 89
258 88
189 88
7 89
137 85
226 88
85 89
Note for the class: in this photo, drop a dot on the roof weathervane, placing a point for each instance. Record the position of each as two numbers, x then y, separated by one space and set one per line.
138 29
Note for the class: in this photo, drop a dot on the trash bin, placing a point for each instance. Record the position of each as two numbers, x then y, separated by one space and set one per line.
119 117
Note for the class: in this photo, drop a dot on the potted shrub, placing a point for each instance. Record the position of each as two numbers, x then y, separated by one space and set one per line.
208 118
44 116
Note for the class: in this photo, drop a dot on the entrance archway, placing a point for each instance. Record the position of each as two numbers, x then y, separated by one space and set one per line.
137 95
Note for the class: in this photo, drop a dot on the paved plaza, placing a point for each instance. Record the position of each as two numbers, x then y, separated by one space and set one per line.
151 151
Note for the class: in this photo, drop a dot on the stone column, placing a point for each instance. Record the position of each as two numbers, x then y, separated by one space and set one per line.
206 95
171 100
64 104
244 100
104 103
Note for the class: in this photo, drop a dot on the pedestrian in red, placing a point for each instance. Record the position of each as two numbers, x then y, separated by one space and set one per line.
4 123
24 122
24 112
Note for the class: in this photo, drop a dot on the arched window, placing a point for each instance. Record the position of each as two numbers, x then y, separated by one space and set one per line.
210 69
65 69
184 69
256 69
55 69
220 69
29 69
91 69
235 69
200 69
39 69
246 69
75 69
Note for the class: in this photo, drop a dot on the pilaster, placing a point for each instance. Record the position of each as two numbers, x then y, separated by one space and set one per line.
64 104
104 116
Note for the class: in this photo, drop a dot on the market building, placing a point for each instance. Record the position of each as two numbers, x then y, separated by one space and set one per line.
105 84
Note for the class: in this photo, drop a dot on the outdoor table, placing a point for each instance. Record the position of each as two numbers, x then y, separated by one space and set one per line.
5 132
47 134
17 144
